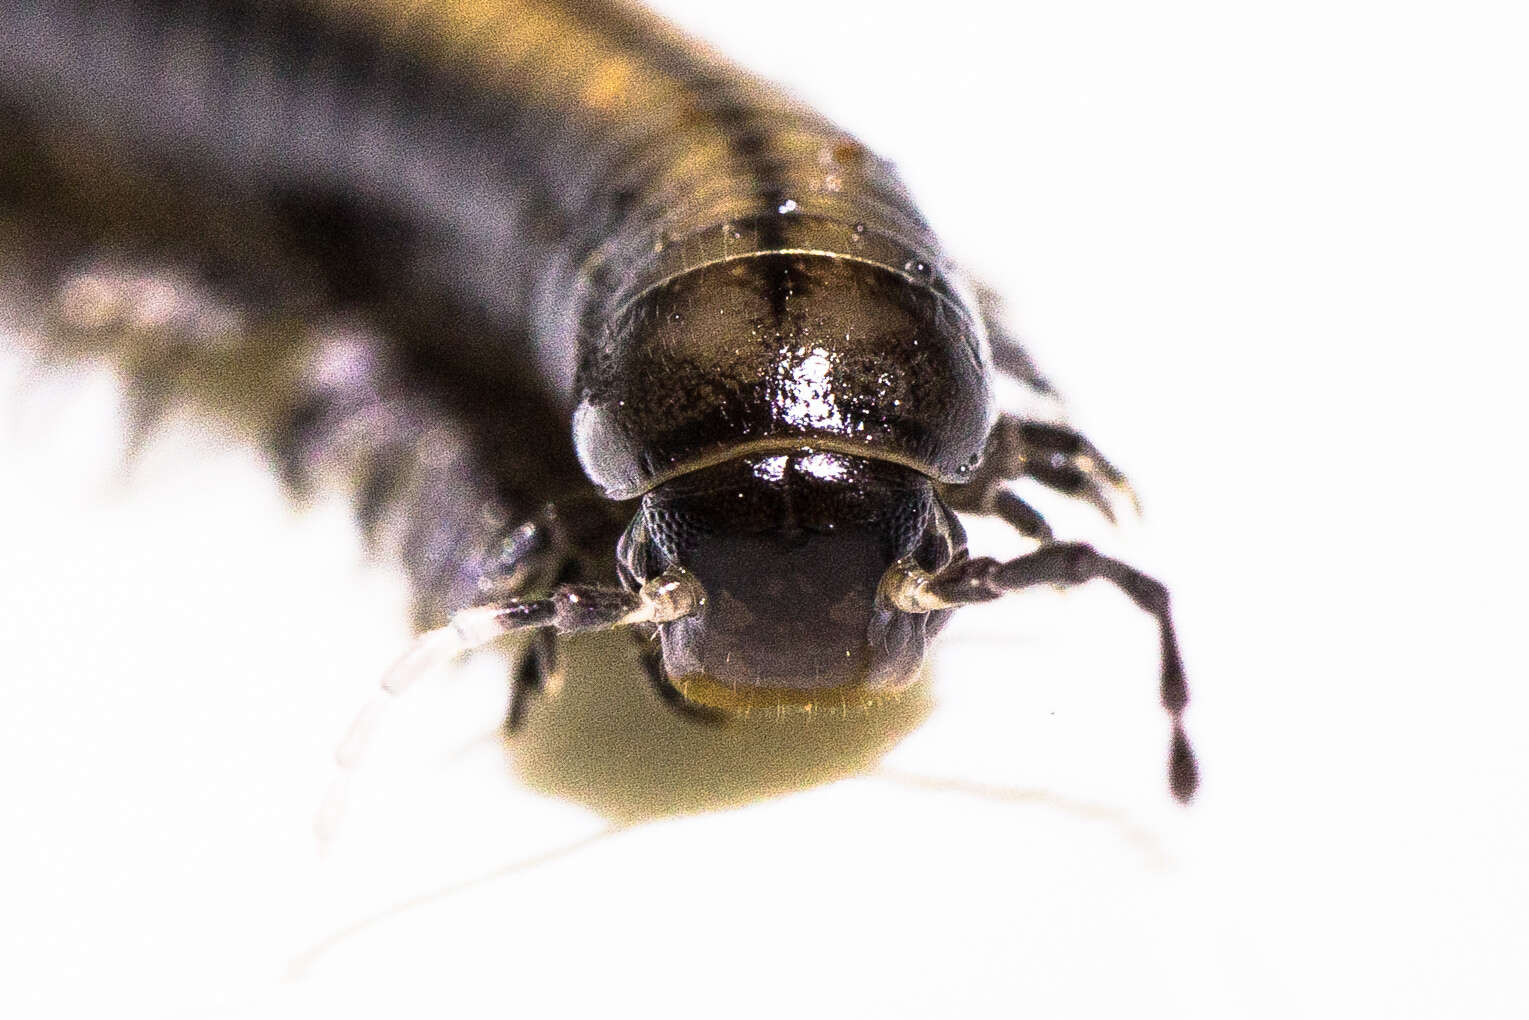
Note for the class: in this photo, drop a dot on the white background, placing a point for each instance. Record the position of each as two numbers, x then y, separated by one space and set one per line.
1276 256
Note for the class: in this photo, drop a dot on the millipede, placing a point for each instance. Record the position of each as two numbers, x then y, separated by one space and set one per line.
605 332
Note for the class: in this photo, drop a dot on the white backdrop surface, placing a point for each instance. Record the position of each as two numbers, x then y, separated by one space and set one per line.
1273 254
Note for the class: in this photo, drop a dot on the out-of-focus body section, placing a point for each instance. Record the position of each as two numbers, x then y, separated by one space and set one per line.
544 161
561 198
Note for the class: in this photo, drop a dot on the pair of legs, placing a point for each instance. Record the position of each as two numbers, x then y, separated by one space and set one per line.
1061 459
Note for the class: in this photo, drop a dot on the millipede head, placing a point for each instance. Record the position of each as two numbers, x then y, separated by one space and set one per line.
791 550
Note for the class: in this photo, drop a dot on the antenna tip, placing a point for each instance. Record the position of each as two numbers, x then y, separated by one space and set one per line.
1183 772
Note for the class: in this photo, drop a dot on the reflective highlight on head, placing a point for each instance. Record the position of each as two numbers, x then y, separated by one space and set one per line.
790 549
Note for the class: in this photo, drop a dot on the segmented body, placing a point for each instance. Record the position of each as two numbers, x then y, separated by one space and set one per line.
519 171
511 215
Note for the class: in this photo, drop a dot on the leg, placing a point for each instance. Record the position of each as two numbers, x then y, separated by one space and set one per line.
1022 447
652 658
1057 457
540 670
990 496
1022 517
981 580
1009 355
423 495
159 321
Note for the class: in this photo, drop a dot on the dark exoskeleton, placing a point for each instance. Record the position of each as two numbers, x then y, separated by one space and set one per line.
777 382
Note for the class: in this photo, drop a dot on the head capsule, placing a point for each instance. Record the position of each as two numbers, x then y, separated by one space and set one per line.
791 549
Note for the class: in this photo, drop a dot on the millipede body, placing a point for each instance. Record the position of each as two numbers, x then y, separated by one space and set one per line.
606 332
